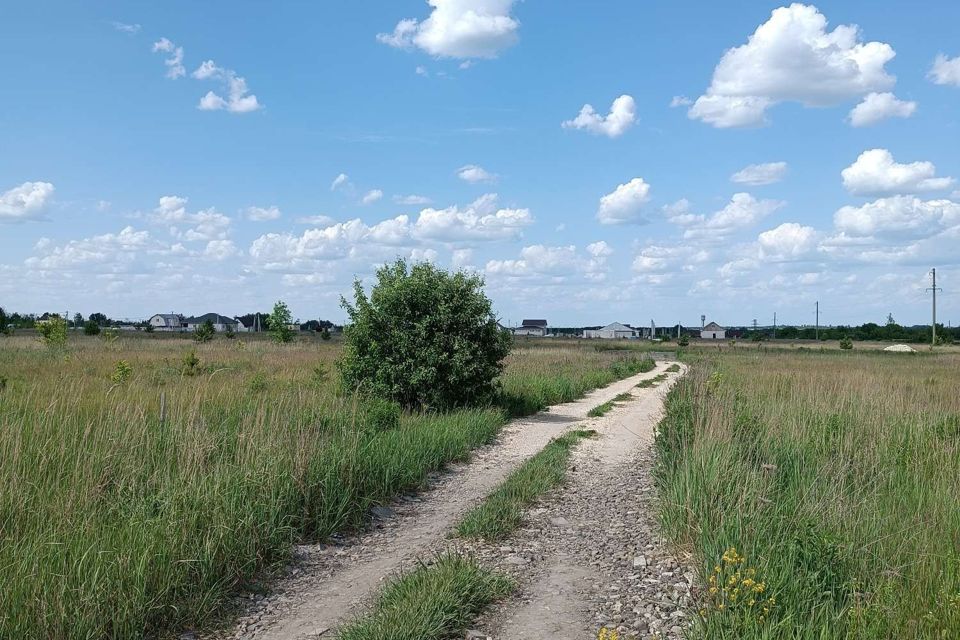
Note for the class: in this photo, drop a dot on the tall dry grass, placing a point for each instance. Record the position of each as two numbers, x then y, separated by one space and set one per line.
837 477
115 524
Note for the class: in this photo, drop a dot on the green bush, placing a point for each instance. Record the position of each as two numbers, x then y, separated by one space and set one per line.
91 328
190 364
381 415
279 322
121 372
258 383
53 332
846 343
205 332
683 341
425 338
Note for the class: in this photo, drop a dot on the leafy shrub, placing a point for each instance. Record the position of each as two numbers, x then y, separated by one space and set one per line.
382 415
110 336
683 341
846 343
229 333
324 334
425 338
53 332
121 372
190 364
91 328
205 332
279 322
258 383
148 328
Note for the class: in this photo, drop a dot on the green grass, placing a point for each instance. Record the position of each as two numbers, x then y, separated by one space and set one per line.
652 382
674 368
601 409
115 524
836 476
502 511
430 603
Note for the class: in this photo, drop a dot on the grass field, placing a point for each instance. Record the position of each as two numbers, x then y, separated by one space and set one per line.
818 492
115 523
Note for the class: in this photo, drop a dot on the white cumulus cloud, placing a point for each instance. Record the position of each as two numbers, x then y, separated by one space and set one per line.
788 241
174 60
261 214
411 199
625 203
875 172
25 201
342 180
792 58
742 211
238 97
945 70
473 174
371 196
623 113
876 107
760 174
458 29
897 216
480 220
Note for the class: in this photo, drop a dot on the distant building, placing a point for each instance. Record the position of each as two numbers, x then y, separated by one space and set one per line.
713 331
219 322
166 322
531 328
612 331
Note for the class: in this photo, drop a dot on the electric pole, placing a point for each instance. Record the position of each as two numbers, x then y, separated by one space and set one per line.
817 331
774 325
933 290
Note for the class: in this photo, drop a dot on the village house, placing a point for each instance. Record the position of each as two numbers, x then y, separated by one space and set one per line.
536 328
220 323
166 322
612 331
713 331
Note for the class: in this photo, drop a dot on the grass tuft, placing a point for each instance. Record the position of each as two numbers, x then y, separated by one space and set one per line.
651 382
502 511
431 602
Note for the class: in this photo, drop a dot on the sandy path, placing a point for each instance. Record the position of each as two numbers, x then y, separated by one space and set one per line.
589 536
326 582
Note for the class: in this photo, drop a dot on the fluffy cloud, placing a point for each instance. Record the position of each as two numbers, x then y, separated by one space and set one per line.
792 57
340 240
174 60
25 201
342 180
261 214
788 241
481 220
539 260
760 174
897 217
220 250
411 199
625 203
680 101
742 211
945 70
238 97
473 174
458 29
371 196
876 173
113 250
880 106
623 114
207 224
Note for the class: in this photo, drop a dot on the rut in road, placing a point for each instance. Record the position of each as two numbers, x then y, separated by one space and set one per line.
326 583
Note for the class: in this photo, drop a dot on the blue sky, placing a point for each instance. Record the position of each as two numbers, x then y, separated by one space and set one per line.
137 177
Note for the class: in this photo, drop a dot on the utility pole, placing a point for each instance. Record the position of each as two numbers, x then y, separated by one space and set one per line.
933 290
774 325
817 332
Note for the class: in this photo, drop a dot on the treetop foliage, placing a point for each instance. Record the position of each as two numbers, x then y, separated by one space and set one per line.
425 338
